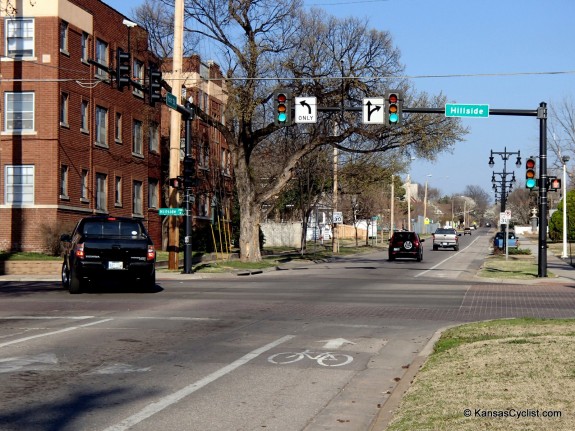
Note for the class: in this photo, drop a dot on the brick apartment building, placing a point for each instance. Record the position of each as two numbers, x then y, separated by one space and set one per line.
204 82
72 144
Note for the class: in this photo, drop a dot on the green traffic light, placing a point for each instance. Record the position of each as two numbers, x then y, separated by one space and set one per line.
530 183
282 117
393 118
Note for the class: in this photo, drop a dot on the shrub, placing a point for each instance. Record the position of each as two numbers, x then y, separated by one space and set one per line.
51 237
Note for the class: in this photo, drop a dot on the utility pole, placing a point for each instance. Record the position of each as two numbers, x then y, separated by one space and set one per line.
175 126
391 208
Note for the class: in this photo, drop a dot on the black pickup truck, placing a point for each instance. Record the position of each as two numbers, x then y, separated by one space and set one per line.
102 247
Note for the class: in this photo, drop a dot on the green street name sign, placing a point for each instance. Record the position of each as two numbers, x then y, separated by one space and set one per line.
171 101
460 110
172 211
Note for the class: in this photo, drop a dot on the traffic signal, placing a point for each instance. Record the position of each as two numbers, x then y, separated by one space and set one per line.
177 183
530 175
282 108
154 84
189 172
554 184
393 106
123 69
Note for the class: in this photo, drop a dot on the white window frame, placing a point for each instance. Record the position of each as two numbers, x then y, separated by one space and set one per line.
11 103
137 138
84 186
19 184
153 200
101 136
85 46
118 128
138 75
64 104
64 182
154 138
85 116
118 191
102 57
21 36
64 37
137 198
101 192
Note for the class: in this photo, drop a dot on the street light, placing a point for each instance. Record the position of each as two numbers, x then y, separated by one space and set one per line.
564 159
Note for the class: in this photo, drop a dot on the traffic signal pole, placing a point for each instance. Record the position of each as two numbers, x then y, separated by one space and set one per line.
187 115
543 183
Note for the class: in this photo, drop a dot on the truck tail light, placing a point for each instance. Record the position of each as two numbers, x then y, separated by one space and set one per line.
151 252
79 252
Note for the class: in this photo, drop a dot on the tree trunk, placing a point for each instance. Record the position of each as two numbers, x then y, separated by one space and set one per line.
250 214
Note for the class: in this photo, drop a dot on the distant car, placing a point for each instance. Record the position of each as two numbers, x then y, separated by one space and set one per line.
406 244
512 240
487 224
467 231
446 238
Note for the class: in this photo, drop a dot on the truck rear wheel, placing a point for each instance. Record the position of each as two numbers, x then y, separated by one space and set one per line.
75 284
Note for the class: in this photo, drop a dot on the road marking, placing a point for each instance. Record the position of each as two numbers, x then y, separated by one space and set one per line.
42 361
46 317
445 260
118 369
335 343
73 328
173 398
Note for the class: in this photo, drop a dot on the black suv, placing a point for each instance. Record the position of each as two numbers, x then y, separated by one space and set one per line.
406 244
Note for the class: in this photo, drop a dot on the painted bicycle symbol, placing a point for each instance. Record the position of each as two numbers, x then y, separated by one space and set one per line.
327 359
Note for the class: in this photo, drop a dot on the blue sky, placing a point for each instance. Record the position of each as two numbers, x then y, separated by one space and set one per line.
502 38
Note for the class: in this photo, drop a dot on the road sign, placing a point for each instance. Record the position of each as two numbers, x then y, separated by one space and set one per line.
373 112
337 217
171 101
461 110
503 219
172 211
305 109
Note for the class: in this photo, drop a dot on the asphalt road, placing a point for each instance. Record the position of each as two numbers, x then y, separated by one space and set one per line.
314 347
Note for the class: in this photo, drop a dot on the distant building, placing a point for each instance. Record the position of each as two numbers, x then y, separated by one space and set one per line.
205 84
72 144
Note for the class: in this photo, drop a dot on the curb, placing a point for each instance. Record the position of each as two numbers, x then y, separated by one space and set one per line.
391 404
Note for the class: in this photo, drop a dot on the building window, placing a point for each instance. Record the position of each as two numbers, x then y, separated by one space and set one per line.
137 199
118 136
64 37
19 114
19 37
85 46
101 192
84 186
101 58
64 182
19 184
153 193
118 192
85 115
137 138
138 74
101 126
64 98
154 137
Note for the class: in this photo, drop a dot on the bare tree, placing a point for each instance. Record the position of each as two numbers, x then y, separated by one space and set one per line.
562 128
266 45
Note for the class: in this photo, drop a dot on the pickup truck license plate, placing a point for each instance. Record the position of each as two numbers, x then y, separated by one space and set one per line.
443 243
115 265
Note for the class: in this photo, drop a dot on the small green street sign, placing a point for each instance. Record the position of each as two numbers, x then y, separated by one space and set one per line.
172 211
171 101
460 110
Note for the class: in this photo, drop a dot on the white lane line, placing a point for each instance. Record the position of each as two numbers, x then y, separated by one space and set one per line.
73 328
173 398
445 260
45 317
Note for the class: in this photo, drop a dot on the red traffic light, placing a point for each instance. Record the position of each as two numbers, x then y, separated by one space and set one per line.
530 163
